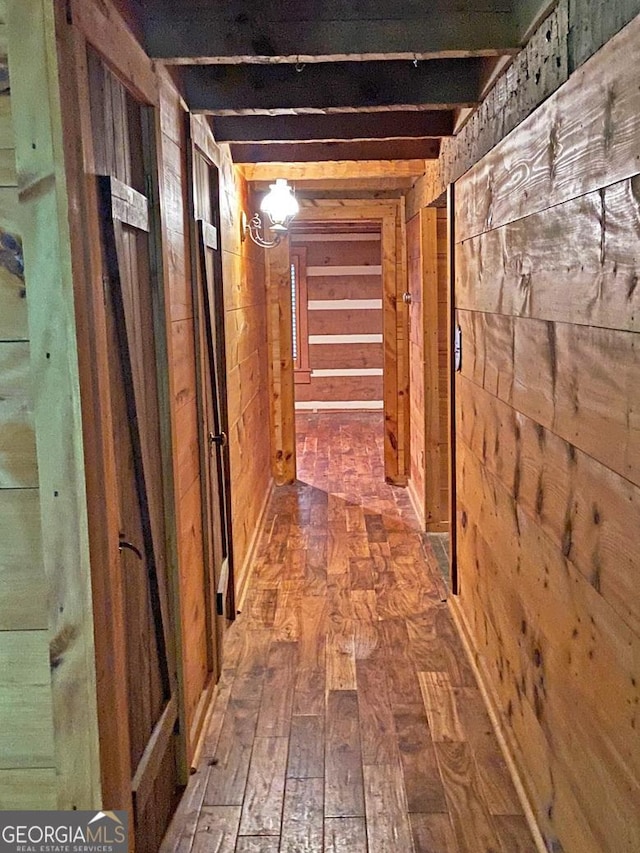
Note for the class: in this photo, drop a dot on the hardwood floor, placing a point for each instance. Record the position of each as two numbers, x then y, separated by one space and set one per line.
348 719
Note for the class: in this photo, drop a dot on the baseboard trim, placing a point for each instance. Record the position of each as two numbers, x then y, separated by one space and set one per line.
415 502
209 702
247 566
491 705
425 526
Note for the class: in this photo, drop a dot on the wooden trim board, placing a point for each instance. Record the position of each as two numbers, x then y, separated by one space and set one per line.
246 573
331 405
344 304
335 238
347 371
369 269
345 339
106 32
415 502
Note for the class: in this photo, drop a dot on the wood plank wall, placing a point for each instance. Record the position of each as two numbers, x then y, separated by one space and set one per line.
27 765
548 479
67 706
245 328
344 290
245 287
174 182
427 284
32 773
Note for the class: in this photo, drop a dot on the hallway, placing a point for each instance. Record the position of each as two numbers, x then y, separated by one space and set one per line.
347 719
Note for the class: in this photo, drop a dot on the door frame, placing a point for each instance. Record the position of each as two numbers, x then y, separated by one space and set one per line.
199 140
451 413
390 215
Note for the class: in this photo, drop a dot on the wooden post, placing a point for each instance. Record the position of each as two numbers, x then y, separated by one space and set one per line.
283 451
402 343
429 253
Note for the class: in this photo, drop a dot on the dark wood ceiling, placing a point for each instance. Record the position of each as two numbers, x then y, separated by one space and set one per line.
334 80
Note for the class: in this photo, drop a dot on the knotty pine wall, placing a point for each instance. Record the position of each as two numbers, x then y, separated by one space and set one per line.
427 284
174 179
344 322
27 765
245 289
548 447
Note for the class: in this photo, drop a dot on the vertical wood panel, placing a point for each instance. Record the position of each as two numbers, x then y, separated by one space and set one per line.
280 336
415 285
429 368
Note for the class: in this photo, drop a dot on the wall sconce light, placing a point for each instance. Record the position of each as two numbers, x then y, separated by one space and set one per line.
280 206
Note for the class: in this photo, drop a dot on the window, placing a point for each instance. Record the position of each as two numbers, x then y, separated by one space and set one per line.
299 325
294 313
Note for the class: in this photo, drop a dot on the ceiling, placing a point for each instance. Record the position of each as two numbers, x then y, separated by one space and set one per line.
307 81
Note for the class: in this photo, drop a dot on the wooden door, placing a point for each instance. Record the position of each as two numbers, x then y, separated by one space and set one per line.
151 696
215 422
212 386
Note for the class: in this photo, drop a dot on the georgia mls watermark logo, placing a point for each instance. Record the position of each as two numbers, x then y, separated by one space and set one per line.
64 832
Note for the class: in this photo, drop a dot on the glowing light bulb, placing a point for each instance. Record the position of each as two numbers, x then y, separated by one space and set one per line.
279 204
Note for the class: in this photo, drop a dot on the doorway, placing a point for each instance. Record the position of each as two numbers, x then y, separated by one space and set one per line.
365 216
337 326
215 585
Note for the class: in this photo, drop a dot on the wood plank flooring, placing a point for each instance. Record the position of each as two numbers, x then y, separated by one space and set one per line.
347 718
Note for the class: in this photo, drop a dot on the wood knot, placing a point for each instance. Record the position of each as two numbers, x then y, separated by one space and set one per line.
61 644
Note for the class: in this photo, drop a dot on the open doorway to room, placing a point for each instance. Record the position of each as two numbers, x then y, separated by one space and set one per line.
377 217
337 331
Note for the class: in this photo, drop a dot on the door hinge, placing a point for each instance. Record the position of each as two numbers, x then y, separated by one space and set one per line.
219 440
457 349
148 187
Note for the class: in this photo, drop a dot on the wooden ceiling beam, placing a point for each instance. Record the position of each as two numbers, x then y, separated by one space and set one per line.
342 126
311 152
342 185
232 31
335 171
246 89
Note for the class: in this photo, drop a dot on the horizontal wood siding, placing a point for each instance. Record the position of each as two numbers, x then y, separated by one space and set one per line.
244 278
344 312
548 446
27 765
